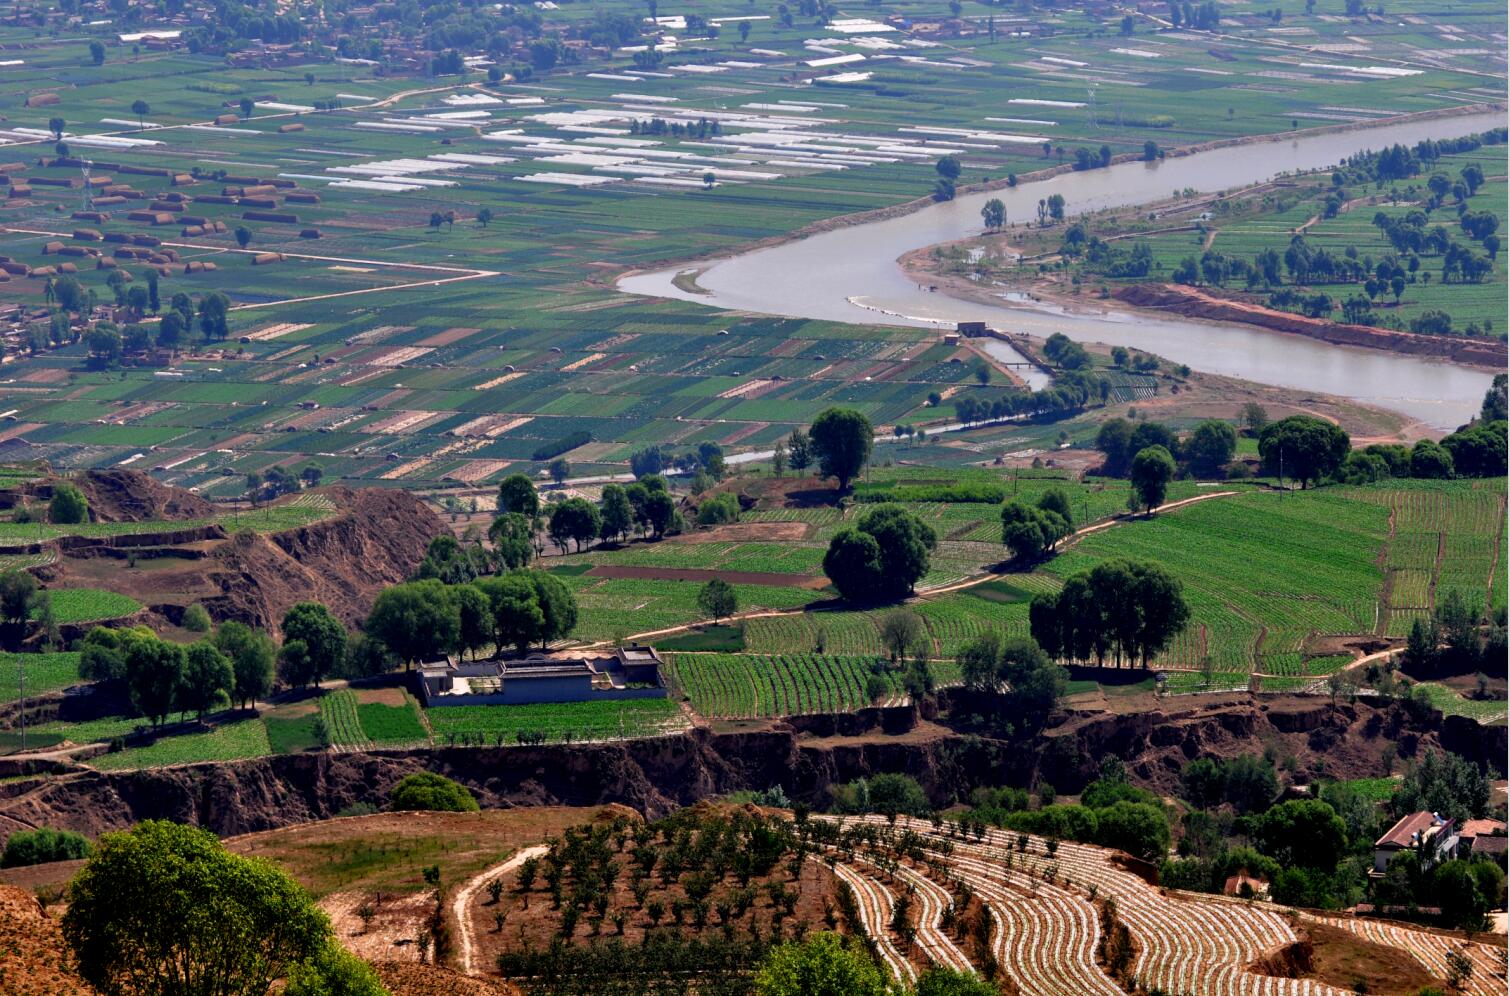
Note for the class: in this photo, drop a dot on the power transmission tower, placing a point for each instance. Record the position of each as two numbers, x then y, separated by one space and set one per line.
88 188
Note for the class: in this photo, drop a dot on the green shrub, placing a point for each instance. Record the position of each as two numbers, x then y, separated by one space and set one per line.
196 619
68 505
431 792
35 847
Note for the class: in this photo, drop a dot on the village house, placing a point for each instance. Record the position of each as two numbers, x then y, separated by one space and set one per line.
1431 836
1483 838
629 672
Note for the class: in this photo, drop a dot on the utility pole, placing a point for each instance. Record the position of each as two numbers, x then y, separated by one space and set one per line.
21 665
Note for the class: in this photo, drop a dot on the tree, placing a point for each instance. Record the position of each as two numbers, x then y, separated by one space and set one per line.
166 908
518 619
574 520
208 679
334 971
141 109
170 331
247 106
718 599
1152 470
512 535
1496 406
1128 610
1303 447
243 236
1304 833
1138 828
660 512
295 667
993 214
154 672
1430 460
948 167
35 847
417 620
1210 448
617 512
251 653
1028 683
105 347
939 981
212 315
799 450
56 126
475 612
322 635
821 965
516 493
882 556
559 470
853 564
426 791
68 505
1030 531
841 440
902 632
484 216
1478 449
18 592
97 53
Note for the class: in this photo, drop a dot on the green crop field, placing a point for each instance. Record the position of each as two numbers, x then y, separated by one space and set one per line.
497 725
232 741
77 605
747 686
420 383
44 673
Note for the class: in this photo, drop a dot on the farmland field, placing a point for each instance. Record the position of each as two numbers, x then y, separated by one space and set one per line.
395 348
568 721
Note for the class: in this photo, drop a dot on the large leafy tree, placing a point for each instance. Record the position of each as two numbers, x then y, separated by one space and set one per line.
208 679
322 634
1132 611
841 439
1152 470
1210 447
821 965
513 535
251 653
518 620
882 556
516 493
1303 447
853 564
416 620
617 515
154 671
905 541
166 908
575 520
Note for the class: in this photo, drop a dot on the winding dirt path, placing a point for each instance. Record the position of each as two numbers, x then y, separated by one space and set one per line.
465 895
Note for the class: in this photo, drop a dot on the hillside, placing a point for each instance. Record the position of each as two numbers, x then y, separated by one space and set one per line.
168 548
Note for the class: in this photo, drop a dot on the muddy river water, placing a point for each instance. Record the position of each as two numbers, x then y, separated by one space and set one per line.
851 274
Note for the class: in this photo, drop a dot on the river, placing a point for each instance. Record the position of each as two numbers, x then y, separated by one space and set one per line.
851 274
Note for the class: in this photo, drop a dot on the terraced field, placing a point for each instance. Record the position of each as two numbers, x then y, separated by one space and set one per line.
1045 903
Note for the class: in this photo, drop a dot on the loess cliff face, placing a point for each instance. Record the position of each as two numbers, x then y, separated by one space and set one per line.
658 775
377 539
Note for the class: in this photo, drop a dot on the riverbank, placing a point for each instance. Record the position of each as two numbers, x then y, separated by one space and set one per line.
689 267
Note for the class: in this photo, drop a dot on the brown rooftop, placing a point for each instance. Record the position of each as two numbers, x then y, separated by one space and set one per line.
1407 830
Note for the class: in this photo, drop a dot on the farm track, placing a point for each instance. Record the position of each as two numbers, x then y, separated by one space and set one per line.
469 891
1045 933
